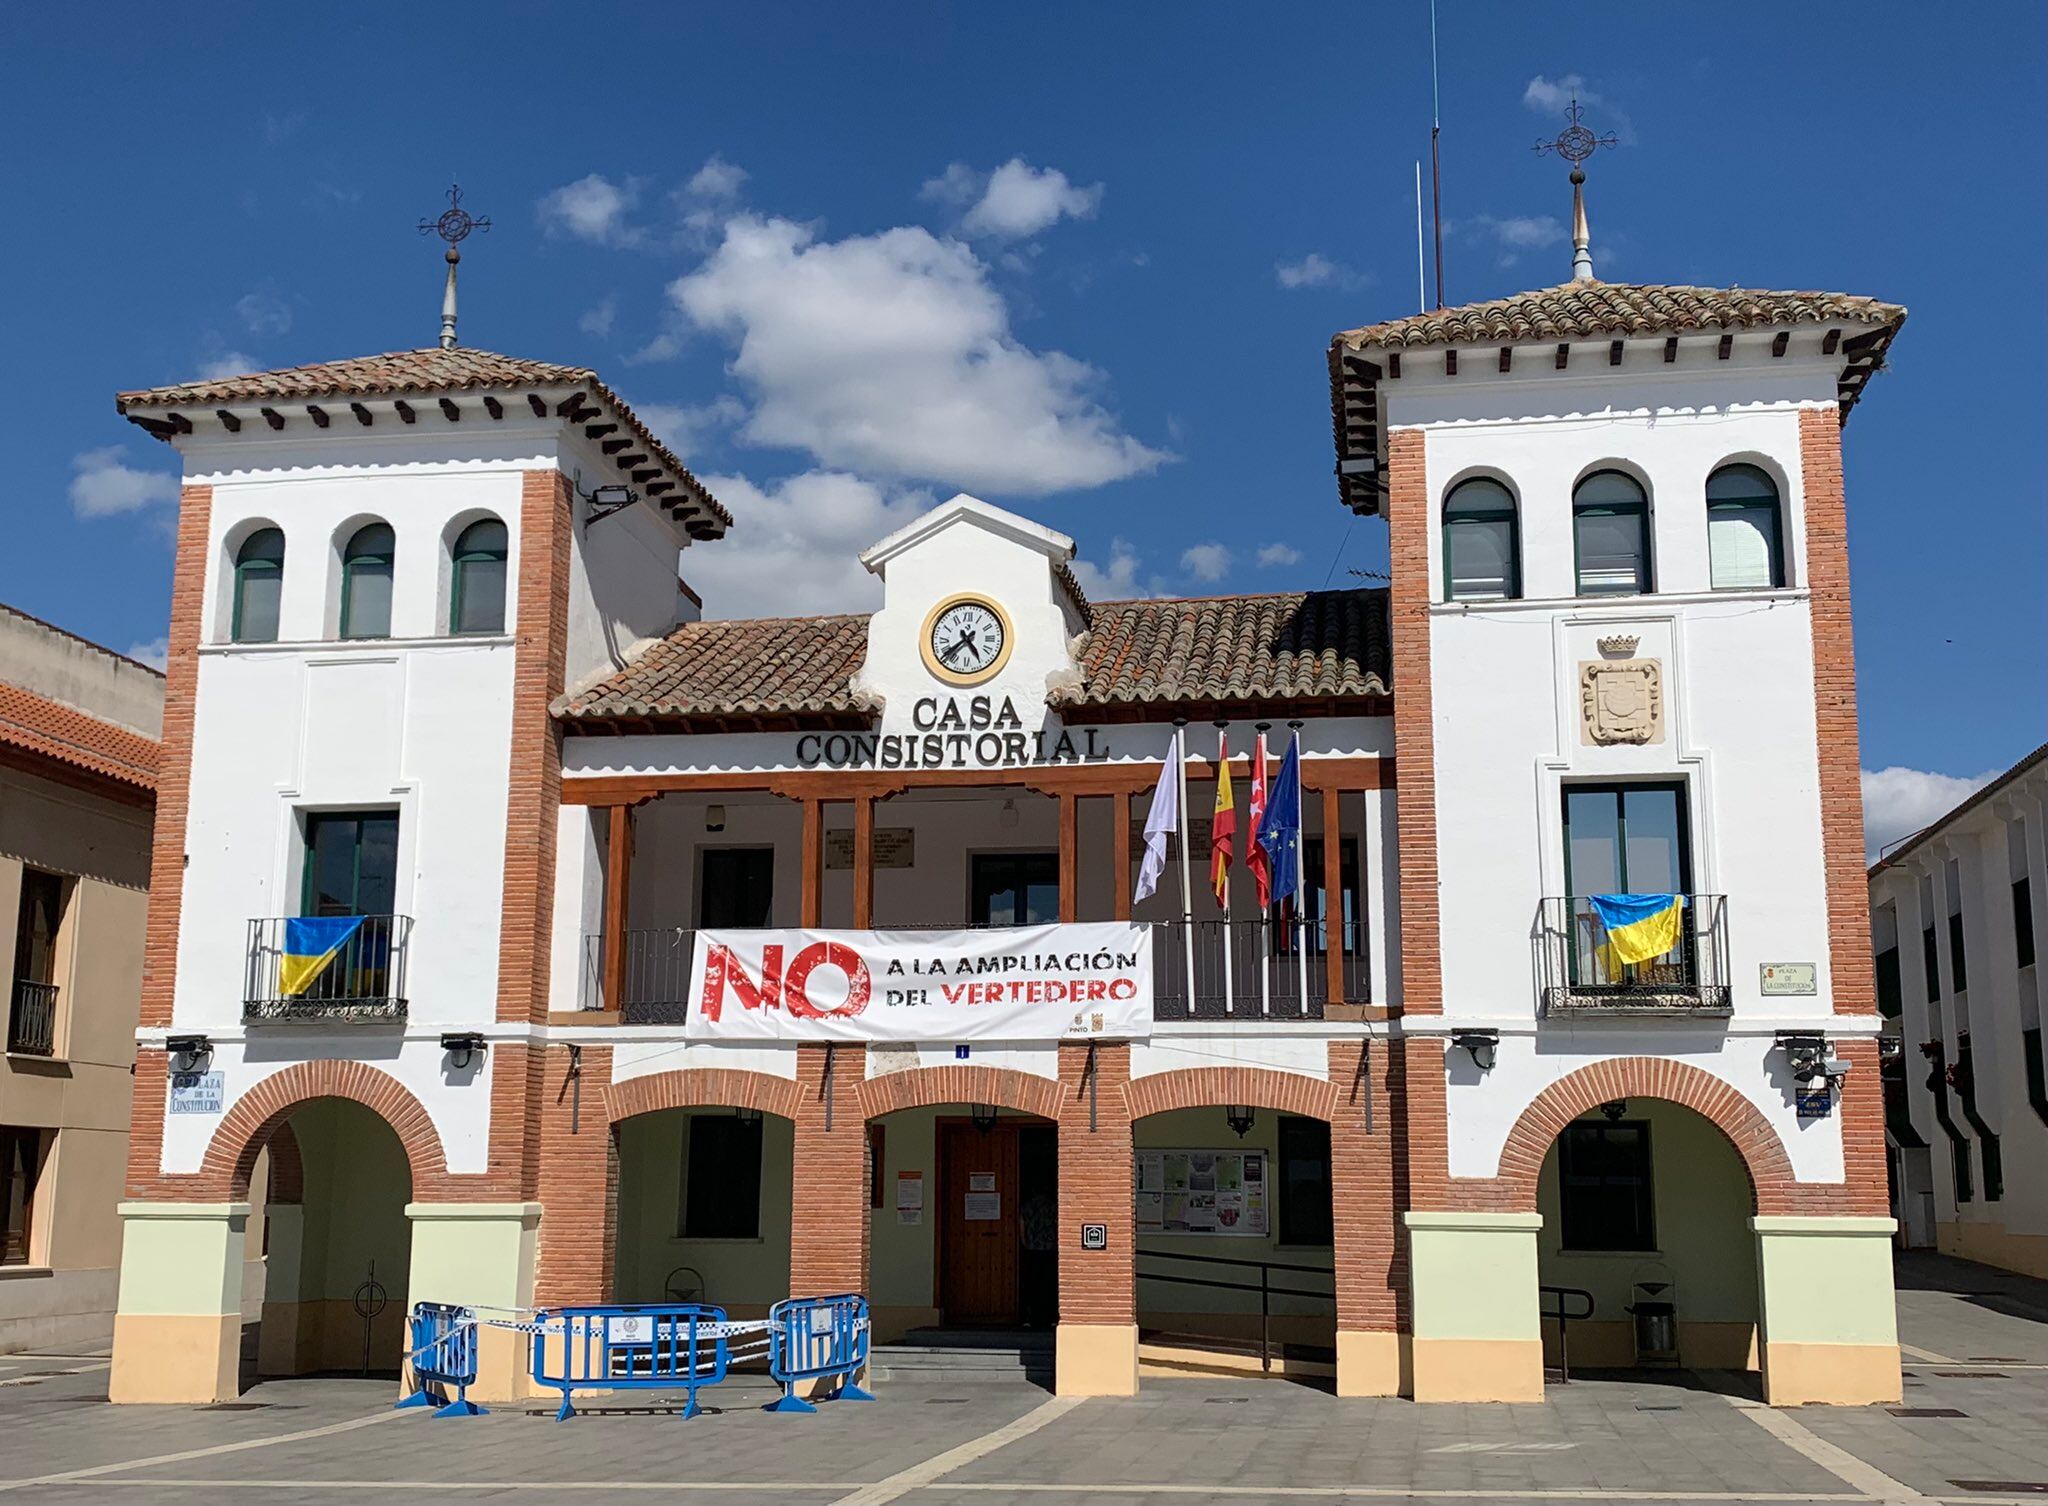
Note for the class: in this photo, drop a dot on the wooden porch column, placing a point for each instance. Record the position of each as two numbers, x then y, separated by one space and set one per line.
863 862
1333 896
1120 854
618 871
811 903
1070 845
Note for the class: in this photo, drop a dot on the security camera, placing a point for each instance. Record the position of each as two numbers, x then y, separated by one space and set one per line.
1834 1069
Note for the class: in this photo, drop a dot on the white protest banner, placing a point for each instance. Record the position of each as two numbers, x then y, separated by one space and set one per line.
1007 983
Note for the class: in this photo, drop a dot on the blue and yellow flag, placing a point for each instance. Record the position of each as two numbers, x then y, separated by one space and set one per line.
311 942
1640 927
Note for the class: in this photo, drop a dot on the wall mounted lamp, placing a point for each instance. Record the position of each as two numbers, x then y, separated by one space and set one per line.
984 1117
1240 1117
188 1051
1483 1046
464 1046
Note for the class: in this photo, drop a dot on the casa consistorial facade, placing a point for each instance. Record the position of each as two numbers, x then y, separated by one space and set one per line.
519 938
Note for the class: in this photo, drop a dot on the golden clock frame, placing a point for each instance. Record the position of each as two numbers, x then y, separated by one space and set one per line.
980 676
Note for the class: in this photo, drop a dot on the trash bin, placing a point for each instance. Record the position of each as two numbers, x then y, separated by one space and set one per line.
1656 1332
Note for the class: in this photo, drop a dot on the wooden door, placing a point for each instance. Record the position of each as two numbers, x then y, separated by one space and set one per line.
979 1231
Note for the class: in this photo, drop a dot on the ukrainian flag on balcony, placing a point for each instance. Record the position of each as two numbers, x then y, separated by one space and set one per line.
1639 927
311 942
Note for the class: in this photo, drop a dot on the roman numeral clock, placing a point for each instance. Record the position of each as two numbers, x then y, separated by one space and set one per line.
967 640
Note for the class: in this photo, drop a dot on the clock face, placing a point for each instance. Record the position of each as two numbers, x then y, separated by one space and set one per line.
967 640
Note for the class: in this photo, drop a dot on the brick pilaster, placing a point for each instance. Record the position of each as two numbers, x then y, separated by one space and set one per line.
1417 1084
1408 529
1369 1260
1096 1286
829 1197
577 1181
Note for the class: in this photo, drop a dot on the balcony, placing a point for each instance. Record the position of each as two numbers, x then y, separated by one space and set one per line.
1576 978
654 978
32 1019
360 981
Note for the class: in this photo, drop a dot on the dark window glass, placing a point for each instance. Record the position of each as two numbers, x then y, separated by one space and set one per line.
1930 963
366 582
1480 553
1743 530
1611 535
21 1163
722 1178
351 863
2023 921
1621 839
1304 1182
1317 902
259 586
38 918
738 887
1604 1191
1015 888
478 600
1890 998
1959 1164
1958 968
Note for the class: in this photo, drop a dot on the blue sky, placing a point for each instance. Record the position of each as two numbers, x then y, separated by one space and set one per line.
1081 259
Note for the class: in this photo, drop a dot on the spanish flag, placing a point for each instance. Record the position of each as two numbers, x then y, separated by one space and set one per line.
1640 927
311 942
1222 825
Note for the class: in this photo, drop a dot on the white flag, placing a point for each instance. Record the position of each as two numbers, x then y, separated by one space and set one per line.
1164 818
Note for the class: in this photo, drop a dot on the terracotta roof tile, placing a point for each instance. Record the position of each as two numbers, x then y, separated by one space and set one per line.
402 373
49 728
1296 646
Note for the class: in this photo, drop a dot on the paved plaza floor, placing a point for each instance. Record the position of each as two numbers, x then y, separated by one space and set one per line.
1974 1428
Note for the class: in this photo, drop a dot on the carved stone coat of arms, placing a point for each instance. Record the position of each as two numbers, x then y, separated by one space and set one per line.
1621 701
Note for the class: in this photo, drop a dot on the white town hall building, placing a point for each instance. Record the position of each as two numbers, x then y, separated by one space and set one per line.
434 683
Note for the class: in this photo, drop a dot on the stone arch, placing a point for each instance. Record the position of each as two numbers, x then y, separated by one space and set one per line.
926 1087
702 1087
1210 1087
256 1116
1763 1154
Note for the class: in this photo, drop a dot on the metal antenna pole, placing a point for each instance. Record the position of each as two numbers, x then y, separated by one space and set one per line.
1436 182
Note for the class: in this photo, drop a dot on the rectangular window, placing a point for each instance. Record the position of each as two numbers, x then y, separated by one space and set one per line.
1958 971
1614 551
351 863
722 1177
1014 888
1624 839
1884 939
2023 921
22 1153
1350 905
737 888
38 919
1305 1182
1604 1191
1742 544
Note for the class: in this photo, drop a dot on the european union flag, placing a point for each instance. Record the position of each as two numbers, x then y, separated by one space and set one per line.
1280 831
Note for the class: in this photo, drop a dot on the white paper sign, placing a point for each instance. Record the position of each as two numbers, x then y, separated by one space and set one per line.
910 1197
979 1207
1009 983
636 1330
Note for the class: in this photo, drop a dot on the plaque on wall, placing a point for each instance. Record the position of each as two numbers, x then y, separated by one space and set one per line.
1621 701
895 847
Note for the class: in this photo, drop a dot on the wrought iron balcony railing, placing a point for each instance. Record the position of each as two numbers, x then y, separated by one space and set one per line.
654 976
1577 974
361 980
32 1019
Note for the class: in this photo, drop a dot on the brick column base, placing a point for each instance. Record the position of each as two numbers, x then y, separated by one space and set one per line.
1370 1262
1096 1342
576 1176
828 1224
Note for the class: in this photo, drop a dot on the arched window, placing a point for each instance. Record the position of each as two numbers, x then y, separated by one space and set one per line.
1482 557
1744 536
1611 535
366 582
477 601
259 587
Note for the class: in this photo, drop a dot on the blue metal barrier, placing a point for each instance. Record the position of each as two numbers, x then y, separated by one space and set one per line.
818 1338
630 1348
443 1354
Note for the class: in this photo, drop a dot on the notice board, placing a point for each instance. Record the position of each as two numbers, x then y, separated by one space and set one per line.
1203 1192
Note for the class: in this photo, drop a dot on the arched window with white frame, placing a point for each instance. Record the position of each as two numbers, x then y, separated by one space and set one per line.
258 587
476 598
1611 535
366 562
1482 543
1745 529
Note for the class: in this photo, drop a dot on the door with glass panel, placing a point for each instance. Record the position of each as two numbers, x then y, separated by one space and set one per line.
1625 839
1014 889
352 870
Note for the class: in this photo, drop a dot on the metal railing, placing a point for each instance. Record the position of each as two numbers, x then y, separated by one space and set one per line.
1263 1286
1576 974
32 1019
1553 1299
364 980
654 979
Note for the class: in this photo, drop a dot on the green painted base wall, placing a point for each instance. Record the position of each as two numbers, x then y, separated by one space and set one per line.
739 1274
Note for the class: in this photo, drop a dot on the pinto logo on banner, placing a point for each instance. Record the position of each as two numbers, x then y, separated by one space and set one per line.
1010 983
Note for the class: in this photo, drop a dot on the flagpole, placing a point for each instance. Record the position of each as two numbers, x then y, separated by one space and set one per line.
1186 834
1300 872
1265 920
1223 900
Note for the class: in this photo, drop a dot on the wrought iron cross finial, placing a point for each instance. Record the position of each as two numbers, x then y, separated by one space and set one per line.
455 222
1576 142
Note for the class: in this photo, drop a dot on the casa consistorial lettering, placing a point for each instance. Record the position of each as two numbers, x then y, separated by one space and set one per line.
954 732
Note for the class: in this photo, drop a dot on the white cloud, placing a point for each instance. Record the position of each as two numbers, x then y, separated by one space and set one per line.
156 652
103 484
599 319
1279 554
891 354
228 363
1205 562
1522 232
1551 96
1898 802
795 551
1116 581
593 209
1315 270
263 313
683 428
1015 200
716 179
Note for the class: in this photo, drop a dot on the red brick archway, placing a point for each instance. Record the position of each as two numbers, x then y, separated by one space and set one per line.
254 1120
702 1088
927 1087
1712 1098
1213 1087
